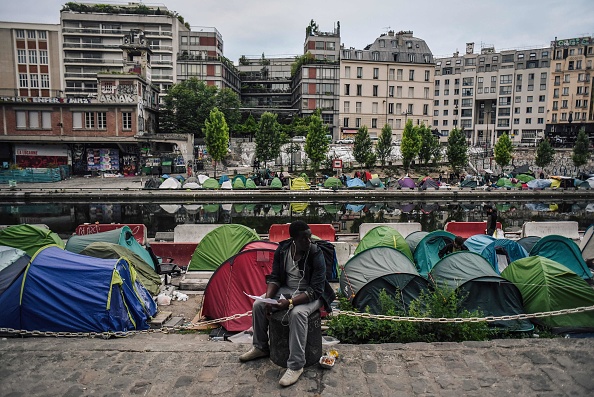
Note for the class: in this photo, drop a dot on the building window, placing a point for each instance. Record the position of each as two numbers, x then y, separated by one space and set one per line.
399 92
127 120
358 106
528 121
345 122
43 59
373 123
358 122
45 81
32 56
427 75
411 75
411 92
102 120
375 88
89 120
541 109
33 119
347 89
23 81
540 120
34 81
22 56
347 106
376 73
425 110
21 118
42 35
399 73
46 120
391 91
359 72
20 34
391 74
359 89
347 72
390 108
426 92
30 34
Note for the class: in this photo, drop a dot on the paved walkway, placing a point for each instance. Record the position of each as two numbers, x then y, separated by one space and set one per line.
188 365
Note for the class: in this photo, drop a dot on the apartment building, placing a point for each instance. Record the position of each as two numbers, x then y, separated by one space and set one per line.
490 93
93 33
316 82
570 105
30 62
201 56
387 82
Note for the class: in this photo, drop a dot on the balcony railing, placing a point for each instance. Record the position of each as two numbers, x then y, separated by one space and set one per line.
157 33
91 45
94 60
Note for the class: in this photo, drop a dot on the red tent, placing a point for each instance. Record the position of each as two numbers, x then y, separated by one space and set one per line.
324 231
224 294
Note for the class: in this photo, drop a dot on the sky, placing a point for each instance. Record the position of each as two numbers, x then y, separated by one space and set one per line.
277 27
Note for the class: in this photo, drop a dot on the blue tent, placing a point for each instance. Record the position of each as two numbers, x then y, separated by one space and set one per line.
427 251
223 178
355 207
564 251
65 292
355 183
499 252
13 262
478 242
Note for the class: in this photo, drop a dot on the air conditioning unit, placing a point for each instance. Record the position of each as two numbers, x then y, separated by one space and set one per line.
126 39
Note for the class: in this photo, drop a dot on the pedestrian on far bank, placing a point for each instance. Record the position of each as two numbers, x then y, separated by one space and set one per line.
491 220
160 169
542 175
298 283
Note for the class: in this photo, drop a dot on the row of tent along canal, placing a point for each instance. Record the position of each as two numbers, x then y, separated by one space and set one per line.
499 277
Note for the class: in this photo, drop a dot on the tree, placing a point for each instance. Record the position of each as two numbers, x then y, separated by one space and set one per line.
545 154
457 150
316 142
188 104
216 132
581 150
250 127
268 138
362 146
383 148
429 145
503 151
436 152
410 145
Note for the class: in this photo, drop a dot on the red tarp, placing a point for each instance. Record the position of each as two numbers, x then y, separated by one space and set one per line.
138 229
324 231
467 229
180 252
224 295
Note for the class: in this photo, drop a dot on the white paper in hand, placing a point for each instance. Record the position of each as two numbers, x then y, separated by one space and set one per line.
259 298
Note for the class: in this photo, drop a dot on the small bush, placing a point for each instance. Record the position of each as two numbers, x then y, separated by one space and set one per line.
440 302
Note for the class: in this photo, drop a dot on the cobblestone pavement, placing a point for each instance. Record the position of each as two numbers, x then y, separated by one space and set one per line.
188 365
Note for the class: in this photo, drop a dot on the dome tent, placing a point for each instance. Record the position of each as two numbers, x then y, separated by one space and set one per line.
482 288
13 262
333 183
299 183
564 251
427 251
547 285
414 239
210 183
366 274
384 236
499 252
29 238
220 244
276 183
250 184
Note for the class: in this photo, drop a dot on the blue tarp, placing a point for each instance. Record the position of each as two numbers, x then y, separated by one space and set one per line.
65 292
355 183
538 183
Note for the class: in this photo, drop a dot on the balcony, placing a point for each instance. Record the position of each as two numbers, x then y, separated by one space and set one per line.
81 75
94 60
157 33
97 46
161 47
78 90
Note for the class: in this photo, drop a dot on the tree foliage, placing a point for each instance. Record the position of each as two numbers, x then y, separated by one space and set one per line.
410 145
316 142
457 150
429 143
249 127
581 150
545 154
383 148
503 150
268 138
188 104
216 134
362 148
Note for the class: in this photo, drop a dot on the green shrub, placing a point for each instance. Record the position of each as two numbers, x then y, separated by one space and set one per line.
440 302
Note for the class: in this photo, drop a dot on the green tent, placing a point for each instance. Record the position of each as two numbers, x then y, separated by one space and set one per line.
276 183
211 183
221 244
564 251
305 177
332 208
250 184
427 250
525 177
505 182
240 177
414 239
333 183
146 274
482 288
384 236
29 238
547 285
366 274
122 236
238 184
238 208
277 208
211 208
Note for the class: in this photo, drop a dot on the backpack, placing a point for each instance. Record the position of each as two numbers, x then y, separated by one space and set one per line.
331 260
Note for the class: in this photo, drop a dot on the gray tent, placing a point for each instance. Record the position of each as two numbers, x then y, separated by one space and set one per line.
484 290
414 239
380 268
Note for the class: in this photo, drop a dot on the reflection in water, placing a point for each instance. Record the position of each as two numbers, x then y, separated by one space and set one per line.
346 217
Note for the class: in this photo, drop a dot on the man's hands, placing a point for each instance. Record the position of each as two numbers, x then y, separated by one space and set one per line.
283 304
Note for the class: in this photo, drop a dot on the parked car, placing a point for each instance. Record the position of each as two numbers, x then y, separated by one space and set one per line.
298 138
345 141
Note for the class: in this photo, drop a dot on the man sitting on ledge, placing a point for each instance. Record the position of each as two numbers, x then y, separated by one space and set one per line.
298 281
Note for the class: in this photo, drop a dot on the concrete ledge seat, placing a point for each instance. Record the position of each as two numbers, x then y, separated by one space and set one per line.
279 338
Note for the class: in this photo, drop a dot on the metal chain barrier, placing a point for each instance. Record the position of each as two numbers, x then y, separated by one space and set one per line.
336 312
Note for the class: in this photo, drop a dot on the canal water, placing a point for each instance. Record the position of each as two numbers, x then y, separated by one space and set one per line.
346 217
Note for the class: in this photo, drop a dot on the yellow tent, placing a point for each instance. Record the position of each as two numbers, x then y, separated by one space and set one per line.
298 207
299 184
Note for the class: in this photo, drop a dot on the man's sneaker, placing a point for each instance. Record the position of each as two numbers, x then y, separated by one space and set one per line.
253 354
290 377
